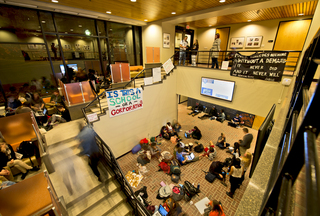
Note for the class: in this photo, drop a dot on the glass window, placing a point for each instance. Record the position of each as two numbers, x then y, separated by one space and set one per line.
47 22
101 28
75 25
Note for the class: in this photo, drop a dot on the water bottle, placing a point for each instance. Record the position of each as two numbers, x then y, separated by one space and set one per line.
198 186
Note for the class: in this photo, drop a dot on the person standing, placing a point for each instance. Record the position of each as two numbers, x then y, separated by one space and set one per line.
236 173
54 50
194 53
215 51
245 143
183 48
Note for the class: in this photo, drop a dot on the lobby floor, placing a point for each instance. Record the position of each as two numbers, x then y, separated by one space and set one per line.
193 172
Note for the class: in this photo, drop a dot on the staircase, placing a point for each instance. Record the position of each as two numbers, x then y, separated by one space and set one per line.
88 196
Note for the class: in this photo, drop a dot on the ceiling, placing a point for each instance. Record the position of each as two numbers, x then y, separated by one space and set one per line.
141 10
287 11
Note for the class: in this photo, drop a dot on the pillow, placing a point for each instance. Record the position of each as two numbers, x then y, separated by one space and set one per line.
136 149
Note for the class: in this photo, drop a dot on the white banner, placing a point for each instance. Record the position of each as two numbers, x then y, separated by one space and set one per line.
124 101
168 66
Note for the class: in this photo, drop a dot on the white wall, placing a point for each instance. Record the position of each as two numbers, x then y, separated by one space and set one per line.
123 132
251 96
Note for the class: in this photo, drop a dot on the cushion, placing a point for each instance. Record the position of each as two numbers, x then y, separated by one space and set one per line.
136 149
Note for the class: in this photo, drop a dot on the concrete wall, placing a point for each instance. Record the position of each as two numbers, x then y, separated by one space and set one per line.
251 96
123 132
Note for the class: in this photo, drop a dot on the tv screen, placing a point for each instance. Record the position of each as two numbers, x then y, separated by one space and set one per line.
73 66
216 88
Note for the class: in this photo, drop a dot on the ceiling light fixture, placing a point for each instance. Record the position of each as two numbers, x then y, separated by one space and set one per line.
146 20
87 32
133 0
222 1
71 29
55 1
301 14
108 12
210 25
249 20
80 26
43 21
173 12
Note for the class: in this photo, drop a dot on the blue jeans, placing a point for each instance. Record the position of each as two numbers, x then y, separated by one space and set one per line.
6 184
182 56
215 63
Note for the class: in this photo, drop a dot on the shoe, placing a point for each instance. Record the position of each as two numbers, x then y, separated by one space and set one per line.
228 151
23 176
229 194
35 169
45 124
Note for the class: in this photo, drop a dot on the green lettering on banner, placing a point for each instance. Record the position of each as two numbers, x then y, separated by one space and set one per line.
128 98
112 103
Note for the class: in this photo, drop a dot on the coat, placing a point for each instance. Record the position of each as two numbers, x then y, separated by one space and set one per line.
215 47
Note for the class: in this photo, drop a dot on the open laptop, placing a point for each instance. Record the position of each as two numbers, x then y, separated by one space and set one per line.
161 212
41 113
190 157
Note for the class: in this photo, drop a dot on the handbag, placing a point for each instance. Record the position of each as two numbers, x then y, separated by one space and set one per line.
209 176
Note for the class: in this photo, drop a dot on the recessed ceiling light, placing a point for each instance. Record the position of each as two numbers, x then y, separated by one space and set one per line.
110 29
80 26
222 1
301 14
87 32
249 20
43 21
173 12
133 0
108 12
71 29
55 1
145 20
210 25
66 32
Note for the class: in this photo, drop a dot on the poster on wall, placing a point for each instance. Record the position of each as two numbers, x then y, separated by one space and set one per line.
86 47
166 40
32 46
168 66
237 42
253 42
124 101
267 66
67 47
77 46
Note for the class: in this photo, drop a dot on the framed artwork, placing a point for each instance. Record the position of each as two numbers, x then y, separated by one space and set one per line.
67 47
77 46
253 42
86 47
237 42
166 40
32 46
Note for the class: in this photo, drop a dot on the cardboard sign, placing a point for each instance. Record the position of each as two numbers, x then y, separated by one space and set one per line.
168 66
124 101
92 117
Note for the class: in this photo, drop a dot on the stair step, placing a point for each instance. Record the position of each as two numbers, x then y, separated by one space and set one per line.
102 198
123 209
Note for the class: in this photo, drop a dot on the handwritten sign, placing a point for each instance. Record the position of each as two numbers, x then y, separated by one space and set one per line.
124 101
266 66
92 117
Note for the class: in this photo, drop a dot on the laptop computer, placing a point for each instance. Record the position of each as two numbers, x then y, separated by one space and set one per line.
41 113
161 211
190 157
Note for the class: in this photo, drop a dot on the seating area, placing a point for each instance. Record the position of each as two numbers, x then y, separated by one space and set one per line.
193 172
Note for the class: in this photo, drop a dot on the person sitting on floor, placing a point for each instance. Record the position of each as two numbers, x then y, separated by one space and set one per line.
145 155
236 173
196 134
212 113
164 133
235 150
62 115
235 122
214 209
56 97
185 159
221 116
24 108
8 158
210 151
196 110
216 169
176 125
171 130
221 143
155 150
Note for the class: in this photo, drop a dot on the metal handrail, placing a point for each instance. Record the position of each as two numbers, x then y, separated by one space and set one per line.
120 175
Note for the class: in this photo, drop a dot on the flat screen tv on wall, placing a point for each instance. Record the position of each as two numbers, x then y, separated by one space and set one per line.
221 89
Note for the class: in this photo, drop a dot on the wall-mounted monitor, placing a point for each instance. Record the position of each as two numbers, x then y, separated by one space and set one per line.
222 89
73 66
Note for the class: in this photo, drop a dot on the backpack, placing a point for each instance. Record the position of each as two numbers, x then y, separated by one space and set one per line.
212 155
165 191
170 203
190 190
142 192
199 148
27 149
175 178
209 176
177 196
175 169
164 167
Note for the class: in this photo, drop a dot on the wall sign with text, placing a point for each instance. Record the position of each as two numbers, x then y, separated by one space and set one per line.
124 101
266 66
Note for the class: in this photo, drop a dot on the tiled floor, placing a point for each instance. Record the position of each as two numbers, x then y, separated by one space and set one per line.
193 172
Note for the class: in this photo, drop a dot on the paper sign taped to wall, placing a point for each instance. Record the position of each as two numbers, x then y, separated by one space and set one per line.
168 66
124 101
148 81
156 74
225 65
92 117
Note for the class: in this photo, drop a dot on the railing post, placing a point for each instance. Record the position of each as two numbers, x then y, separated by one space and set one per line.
65 89
84 100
